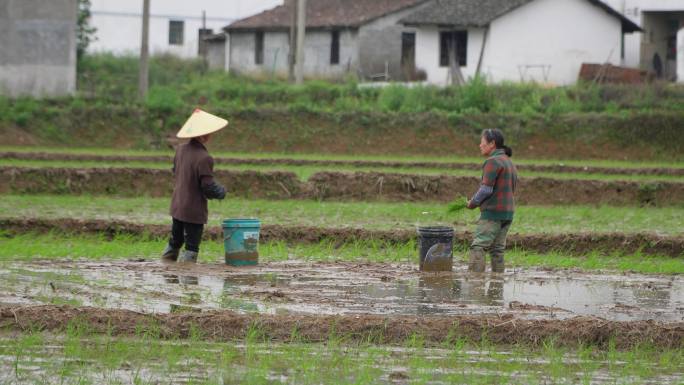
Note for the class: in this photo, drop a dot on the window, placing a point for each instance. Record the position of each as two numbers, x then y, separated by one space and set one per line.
176 28
335 48
259 48
457 39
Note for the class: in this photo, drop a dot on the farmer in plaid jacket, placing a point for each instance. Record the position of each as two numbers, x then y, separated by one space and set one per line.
495 200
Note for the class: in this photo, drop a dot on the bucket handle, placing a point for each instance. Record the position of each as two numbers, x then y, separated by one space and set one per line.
227 237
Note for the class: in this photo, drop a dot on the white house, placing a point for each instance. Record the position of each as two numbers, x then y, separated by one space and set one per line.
517 40
661 21
358 37
175 25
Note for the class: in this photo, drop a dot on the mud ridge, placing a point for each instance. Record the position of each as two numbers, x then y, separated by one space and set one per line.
228 325
556 168
576 244
340 186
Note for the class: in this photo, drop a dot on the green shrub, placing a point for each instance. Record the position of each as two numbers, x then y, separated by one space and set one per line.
163 100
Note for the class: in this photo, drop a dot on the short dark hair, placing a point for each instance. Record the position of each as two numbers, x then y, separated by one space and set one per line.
495 135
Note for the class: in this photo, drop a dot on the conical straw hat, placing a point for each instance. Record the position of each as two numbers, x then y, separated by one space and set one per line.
201 123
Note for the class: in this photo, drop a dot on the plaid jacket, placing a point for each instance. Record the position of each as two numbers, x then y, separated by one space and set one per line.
499 173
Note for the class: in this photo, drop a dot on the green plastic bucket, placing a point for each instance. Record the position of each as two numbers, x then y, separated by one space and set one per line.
240 241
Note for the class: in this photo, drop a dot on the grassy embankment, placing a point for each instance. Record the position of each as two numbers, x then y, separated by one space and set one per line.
604 122
408 158
377 215
304 172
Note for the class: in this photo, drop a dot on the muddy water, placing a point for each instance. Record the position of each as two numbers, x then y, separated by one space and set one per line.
343 288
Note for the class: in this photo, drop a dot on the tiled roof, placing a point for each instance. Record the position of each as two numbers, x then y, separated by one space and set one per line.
480 13
325 14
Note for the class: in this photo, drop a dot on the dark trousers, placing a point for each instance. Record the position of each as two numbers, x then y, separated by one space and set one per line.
188 233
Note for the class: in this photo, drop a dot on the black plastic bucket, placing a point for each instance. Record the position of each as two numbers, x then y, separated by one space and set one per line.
436 248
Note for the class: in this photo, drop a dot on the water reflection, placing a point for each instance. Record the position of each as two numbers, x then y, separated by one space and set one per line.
487 291
181 279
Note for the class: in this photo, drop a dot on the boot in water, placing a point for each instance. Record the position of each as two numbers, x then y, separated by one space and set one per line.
170 254
188 257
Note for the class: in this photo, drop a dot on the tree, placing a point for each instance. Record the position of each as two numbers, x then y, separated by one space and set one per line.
85 34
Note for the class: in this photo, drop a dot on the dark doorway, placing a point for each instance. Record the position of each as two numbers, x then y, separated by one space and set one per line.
335 48
408 55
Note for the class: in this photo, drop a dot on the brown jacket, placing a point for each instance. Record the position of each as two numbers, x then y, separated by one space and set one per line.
192 168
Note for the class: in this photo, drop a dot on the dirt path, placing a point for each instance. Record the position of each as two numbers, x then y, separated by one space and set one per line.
359 186
578 244
228 325
555 168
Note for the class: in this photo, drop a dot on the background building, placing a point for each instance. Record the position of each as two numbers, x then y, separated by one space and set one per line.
175 25
661 20
37 47
357 37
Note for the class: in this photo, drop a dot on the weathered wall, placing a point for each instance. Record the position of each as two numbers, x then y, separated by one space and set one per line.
216 54
242 55
277 48
317 47
37 47
380 43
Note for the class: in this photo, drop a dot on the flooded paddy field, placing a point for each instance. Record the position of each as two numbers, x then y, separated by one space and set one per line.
344 288
77 359
336 298
381 302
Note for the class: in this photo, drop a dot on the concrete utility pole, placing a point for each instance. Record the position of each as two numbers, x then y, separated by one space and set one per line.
143 78
203 43
293 40
680 56
301 31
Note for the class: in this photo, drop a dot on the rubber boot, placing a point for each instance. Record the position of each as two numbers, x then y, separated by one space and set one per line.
188 257
498 265
170 254
477 261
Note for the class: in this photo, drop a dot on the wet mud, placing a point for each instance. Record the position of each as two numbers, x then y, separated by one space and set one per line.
559 168
576 244
386 302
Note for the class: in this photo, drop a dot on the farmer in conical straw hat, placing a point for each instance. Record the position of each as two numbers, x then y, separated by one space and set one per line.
193 171
495 200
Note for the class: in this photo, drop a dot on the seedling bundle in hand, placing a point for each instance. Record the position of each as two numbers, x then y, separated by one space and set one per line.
458 205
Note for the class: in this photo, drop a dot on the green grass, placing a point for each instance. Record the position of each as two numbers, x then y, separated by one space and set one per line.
333 157
28 247
305 172
81 357
176 81
378 215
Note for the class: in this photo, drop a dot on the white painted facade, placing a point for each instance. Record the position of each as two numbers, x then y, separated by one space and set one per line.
544 41
119 22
